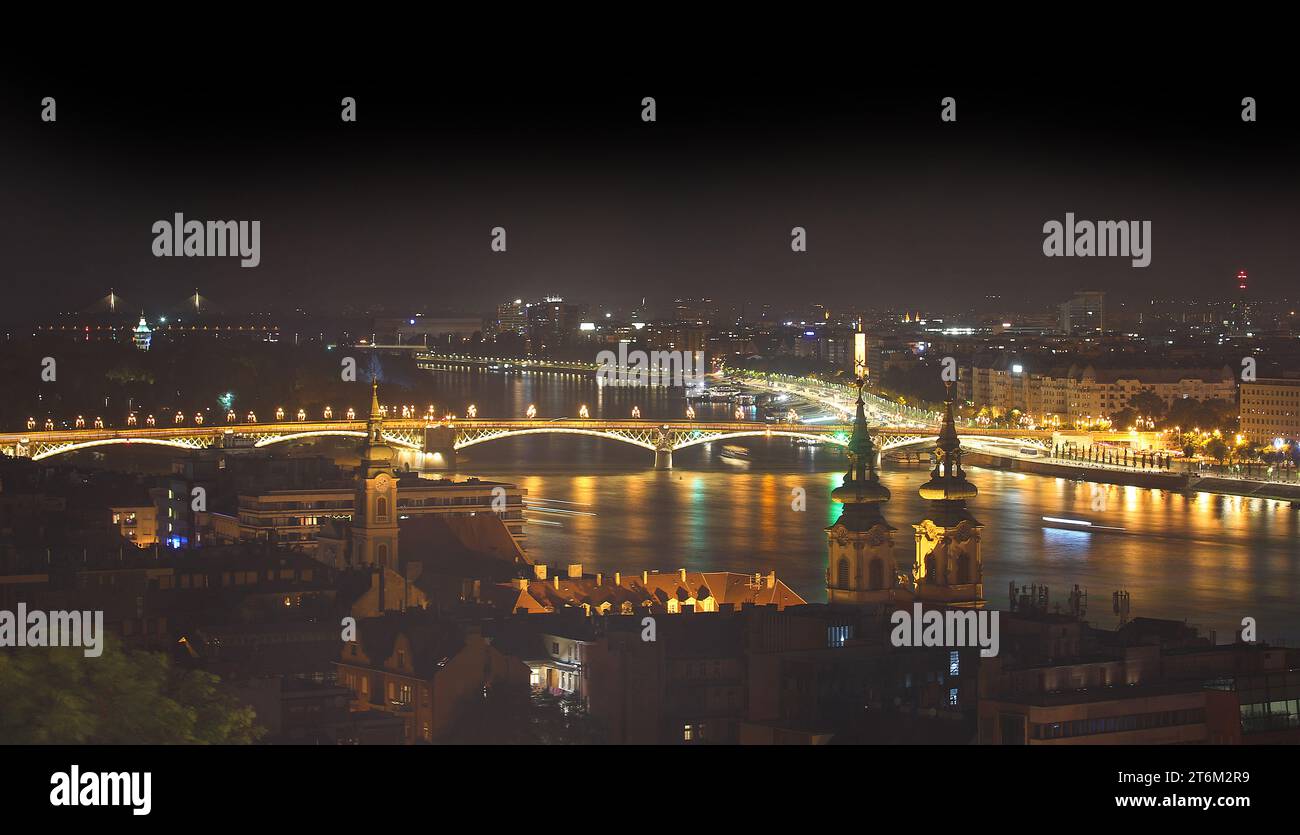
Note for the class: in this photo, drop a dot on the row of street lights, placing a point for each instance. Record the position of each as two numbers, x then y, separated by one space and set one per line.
407 412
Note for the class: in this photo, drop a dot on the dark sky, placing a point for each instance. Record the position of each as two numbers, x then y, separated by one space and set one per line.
900 208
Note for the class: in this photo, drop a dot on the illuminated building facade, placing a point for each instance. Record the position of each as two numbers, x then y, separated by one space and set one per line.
1270 409
1078 393
949 567
142 335
860 567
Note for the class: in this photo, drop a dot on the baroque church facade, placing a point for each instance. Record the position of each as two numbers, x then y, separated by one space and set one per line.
946 567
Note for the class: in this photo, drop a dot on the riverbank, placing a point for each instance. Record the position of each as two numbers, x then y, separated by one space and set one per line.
1157 480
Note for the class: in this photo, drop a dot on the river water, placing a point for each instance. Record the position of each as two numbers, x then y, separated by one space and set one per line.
1209 560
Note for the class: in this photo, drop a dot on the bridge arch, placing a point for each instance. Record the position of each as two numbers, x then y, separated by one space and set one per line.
643 440
975 442
761 433
75 446
320 433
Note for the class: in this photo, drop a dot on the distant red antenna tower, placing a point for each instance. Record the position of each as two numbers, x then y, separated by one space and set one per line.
1241 279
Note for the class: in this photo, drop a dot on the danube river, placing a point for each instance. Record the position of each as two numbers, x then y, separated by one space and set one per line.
1209 560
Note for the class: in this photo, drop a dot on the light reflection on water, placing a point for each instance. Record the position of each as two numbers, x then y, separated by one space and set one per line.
1210 560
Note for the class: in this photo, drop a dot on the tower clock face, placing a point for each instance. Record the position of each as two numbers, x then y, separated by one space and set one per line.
381 481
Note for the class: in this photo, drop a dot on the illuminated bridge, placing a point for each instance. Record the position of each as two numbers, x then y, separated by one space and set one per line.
441 439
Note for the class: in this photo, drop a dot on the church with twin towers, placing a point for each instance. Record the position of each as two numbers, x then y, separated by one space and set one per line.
946 567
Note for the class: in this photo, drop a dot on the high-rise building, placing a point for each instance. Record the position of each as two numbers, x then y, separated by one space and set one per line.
553 324
1240 317
1085 313
695 311
512 317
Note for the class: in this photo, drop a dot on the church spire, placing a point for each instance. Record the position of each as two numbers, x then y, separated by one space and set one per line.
374 450
861 485
948 479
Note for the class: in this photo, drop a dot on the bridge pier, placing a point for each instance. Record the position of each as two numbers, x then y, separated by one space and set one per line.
664 459
439 448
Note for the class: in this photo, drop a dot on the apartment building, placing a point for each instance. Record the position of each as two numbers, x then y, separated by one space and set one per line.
294 517
1077 393
424 671
1270 409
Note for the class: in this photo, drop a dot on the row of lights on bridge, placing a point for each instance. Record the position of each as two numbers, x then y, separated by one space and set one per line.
408 412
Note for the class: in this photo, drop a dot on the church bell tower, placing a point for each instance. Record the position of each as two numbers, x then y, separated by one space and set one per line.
860 568
374 517
949 567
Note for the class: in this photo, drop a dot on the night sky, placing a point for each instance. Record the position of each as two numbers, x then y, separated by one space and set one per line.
901 209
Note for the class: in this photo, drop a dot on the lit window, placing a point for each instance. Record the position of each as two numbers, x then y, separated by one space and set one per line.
954 663
836 636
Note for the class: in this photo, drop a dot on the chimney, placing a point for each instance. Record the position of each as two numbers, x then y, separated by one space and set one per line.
645 578
521 583
682 572
600 579
557 581
539 571
575 570
771 579
618 578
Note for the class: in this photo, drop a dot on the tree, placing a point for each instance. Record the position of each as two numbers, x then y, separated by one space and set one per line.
1148 404
1124 418
1217 449
61 697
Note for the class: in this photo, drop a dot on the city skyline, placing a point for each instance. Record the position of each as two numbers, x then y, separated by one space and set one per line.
439 410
